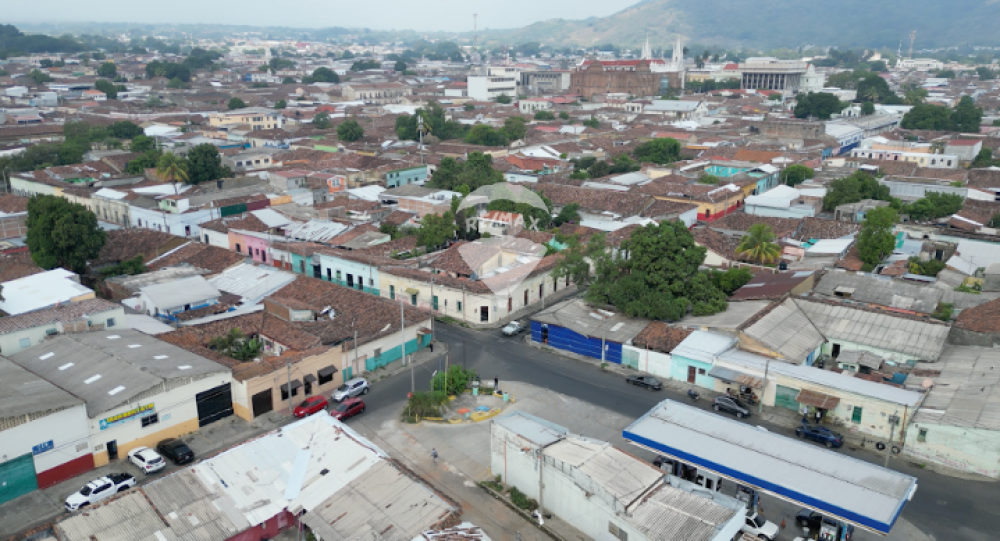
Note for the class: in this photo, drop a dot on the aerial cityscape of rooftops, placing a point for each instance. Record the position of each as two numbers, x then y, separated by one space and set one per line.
726 271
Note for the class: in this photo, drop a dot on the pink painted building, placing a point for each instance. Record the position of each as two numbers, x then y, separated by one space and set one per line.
256 248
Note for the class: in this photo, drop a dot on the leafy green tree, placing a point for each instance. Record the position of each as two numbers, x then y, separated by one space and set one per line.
576 261
205 164
533 216
237 345
322 121
280 104
476 171
39 77
176 82
579 174
545 115
731 279
867 108
945 74
504 99
966 117
876 239
485 135
276 63
128 267
708 179
62 234
350 131
400 66
915 96
624 164
563 115
926 117
236 103
985 74
655 274
873 88
362 65
172 168
569 214
325 75
143 143
984 158
931 267
599 169
123 129
935 205
817 104
796 174
434 123
147 160
435 230
288 81
852 189
107 70
758 245
107 87
514 128
583 163
592 123
661 150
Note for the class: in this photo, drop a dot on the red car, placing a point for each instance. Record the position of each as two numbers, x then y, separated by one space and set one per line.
310 406
348 408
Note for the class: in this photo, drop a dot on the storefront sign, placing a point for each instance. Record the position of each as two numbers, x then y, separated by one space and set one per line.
126 416
42 447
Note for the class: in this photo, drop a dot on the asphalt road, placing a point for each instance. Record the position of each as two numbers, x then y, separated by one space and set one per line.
946 507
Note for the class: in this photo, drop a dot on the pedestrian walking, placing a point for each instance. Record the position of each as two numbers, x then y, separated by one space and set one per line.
432 347
434 455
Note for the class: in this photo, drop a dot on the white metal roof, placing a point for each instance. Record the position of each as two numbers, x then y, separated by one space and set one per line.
315 230
704 346
252 282
271 218
41 290
830 246
831 482
534 429
180 292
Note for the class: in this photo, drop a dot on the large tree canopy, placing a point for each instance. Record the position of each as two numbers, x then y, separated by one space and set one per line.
62 234
473 173
655 275
852 189
875 240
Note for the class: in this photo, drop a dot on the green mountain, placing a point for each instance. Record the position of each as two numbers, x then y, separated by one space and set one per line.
770 24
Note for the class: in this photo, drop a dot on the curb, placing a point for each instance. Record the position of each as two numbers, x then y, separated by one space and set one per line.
531 520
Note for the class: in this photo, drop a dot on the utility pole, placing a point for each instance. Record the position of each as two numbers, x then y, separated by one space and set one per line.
355 350
288 368
760 403
402 342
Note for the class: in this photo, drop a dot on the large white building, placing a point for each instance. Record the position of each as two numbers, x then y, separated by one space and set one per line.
767 73
919 64
138 390
493 82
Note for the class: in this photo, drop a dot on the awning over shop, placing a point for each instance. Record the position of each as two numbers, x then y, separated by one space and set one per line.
328 371
412 291
309 378
295 385
732 376
817 400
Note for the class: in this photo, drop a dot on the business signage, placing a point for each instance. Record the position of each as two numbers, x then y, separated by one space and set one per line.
126 416
42 447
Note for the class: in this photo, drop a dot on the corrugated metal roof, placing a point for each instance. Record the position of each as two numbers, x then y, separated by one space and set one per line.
129 518
382 500
252 282
669 514
271 218
22 392
315 231
704 346
536 430
787 330
180 292
894 293
828 481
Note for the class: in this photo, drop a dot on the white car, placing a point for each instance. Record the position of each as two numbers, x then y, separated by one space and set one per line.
512 328
350 389
146 459
99 489
755 525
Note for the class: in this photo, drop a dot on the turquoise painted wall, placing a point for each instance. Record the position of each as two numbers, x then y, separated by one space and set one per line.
392 355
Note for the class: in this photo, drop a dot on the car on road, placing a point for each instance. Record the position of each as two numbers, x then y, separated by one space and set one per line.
176 450
649 382
347 409
99 489
146 459
820 434
756 526
310 406
350 389
807 518
731 405
512 328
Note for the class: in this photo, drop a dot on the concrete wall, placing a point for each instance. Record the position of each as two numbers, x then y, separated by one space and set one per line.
972 450
962 337
651 362
176 224
214 238
70 454
894 356
176 408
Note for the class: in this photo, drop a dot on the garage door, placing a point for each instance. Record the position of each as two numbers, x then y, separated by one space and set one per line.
214 404
17 478
785 398
262 403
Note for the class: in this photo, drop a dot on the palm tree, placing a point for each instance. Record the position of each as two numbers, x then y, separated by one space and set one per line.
172 168
758 245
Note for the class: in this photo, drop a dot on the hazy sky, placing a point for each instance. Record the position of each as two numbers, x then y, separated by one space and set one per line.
450 15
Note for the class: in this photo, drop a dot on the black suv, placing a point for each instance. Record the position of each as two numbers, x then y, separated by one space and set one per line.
732 405
176 451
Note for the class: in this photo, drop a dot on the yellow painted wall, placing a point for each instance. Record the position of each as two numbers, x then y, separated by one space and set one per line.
150 440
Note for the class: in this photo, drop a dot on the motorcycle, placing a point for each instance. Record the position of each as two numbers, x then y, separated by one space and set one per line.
749 398
692 395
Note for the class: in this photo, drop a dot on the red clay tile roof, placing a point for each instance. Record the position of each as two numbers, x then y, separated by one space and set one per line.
621 203
13 204
661 337
819 228
203 256
17 265
124 244
741 221
984 318
851 261
398 217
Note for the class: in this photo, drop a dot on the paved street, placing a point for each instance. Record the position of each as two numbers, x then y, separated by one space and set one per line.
945 507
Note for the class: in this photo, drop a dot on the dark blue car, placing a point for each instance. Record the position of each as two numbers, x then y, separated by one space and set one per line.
820 434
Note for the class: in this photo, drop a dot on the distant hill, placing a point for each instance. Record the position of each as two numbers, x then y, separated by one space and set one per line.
772 23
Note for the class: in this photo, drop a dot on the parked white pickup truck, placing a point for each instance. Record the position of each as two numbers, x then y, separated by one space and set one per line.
99 489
